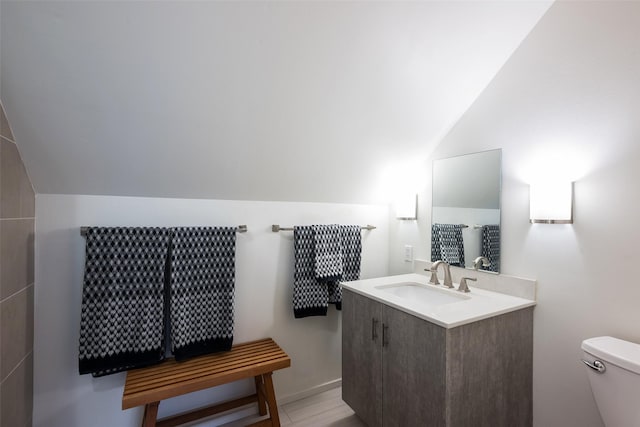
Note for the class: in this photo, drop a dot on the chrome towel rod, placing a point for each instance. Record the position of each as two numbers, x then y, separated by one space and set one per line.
240 229
275 228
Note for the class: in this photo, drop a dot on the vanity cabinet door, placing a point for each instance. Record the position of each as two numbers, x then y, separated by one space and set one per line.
362 356
414 370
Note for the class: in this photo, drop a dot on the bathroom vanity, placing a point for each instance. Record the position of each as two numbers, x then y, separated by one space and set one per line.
415 354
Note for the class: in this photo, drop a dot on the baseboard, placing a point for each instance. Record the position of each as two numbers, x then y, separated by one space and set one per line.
252 411
230 416
282 400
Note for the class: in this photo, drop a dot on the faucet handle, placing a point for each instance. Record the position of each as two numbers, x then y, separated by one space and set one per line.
463 284
481 261
434 276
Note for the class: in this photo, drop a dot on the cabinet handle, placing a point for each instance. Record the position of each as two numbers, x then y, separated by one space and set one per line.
374 328
385 340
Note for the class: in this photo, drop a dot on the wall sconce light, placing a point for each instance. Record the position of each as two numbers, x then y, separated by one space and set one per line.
551 203
407 207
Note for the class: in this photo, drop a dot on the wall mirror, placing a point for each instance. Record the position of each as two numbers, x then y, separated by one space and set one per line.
465 214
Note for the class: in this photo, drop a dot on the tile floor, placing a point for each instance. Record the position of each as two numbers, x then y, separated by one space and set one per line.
321 410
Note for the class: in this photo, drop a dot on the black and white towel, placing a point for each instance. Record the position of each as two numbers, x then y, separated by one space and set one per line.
310 296
491 246
351 258
122 322
436 255
328 252
313 294
447 244
201 289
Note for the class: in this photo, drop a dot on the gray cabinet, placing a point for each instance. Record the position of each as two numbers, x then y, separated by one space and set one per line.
399 370
414 360
362 357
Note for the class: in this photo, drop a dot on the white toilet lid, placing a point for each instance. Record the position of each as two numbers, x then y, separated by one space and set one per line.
621 353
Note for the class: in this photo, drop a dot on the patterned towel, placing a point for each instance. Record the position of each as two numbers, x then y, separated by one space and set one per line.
122 322
491 246
351 251
447 244
312 296
351 256
201 289
328 252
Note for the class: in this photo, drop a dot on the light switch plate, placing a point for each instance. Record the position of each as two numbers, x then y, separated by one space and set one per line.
408 253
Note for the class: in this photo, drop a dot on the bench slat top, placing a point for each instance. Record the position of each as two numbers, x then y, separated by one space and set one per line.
171 378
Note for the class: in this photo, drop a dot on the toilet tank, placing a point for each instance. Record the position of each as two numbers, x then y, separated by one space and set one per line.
615 390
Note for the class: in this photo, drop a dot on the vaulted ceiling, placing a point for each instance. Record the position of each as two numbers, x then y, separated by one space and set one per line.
297 101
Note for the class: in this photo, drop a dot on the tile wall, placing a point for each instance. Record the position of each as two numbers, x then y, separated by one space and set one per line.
17 221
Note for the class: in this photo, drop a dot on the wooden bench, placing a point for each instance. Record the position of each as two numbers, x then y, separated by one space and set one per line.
258 359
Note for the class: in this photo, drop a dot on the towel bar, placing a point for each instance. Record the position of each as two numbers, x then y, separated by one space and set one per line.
240 229
276 227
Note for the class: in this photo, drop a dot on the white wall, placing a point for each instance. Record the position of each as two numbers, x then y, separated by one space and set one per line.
567 101
194 85
264 283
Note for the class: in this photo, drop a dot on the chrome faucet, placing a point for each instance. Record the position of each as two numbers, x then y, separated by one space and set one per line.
481 259
447 273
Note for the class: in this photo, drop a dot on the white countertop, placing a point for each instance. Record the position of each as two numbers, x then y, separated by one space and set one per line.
477 305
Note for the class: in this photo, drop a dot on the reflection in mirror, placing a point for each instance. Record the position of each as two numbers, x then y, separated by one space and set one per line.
465 215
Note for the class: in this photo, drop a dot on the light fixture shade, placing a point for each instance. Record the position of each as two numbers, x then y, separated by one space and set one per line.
551 203
407 207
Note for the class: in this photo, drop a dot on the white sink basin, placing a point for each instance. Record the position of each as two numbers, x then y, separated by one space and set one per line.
445 307
423 294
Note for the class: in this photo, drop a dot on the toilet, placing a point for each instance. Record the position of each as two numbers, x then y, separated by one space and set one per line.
613 367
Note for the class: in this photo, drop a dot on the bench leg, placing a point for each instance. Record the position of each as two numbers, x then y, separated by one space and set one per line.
271 400
150 414
262 406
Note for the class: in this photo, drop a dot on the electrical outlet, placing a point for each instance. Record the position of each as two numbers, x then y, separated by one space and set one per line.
408 253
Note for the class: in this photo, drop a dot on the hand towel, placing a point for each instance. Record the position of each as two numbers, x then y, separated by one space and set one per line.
310 296
328 252
448 242
491 246
351 245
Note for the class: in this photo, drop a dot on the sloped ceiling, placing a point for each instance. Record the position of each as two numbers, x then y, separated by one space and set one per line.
297 101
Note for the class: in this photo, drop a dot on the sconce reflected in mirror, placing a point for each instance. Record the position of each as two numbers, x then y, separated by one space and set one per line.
551 203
